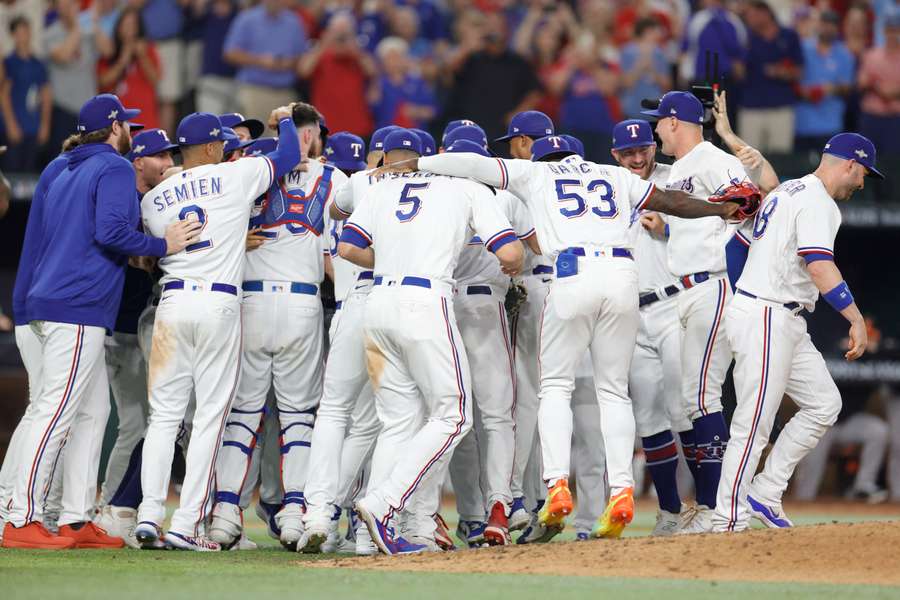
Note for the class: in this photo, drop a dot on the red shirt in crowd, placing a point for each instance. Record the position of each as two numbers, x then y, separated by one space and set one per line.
134 89
338 89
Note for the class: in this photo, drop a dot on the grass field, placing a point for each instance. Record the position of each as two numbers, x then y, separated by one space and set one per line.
271 572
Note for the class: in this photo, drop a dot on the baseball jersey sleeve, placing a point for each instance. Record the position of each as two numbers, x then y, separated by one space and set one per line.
255 173
488 220
519 216
816 230
637 190
724 171
514 175
343 199
357 230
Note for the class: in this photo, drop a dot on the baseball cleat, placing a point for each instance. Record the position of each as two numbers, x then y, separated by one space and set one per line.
290 521
244 543
119 521
667 523
518 514
227 524
266 513
317 526
770 516
149 535
384 537
497 531
535 532
364 546
619 513
442 533
557 505
87 535
34 535
197 544
471 533
696 519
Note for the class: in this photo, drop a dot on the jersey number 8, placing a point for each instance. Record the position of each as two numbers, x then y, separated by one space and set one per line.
762 218
198 215
606 207
415 204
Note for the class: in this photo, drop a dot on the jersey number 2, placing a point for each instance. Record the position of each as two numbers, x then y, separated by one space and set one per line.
605 209
199 215
407 199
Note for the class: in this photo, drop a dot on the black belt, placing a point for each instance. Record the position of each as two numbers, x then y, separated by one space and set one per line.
651 297
216 287
787 305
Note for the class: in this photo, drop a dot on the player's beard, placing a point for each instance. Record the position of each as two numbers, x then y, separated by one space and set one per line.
124 144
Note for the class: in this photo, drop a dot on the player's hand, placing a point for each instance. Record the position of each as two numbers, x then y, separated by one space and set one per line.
6 324
397 167
653 223
181 234
750 157
859 339
255 239
720 112
282 112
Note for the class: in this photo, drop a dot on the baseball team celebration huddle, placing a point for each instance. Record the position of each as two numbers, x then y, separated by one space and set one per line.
489 312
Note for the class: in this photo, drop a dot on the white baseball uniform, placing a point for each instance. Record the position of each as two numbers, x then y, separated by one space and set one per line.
418 224
774 355
581 209
588 454
197 333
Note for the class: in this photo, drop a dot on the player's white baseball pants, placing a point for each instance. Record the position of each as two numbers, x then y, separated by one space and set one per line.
69 399
481 318
358 448
282 347
655 378
417 364
579 315
467 474
525 332
705 354
127 374
588 456
774 356
196 347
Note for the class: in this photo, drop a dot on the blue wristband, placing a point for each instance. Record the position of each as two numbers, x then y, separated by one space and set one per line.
840 297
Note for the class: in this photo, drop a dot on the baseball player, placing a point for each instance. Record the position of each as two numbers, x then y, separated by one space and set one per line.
412 341
428 145
582 213
70 307
655 376
197 334
588 455
696 255
244 129
345 383
282 346
790 263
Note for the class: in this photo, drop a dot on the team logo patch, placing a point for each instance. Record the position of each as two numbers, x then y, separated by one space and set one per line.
861 153
112 114
139 148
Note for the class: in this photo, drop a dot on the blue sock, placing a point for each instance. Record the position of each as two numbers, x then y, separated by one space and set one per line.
689 448
662 461
129 493
712 437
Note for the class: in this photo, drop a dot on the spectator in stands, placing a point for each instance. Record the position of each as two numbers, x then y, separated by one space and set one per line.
399 96
405 25
26 101
645 70
215 90
264 43
828 76
490 82
107 15
33 10
73 53
713 29
133 71
774 67
629 14
879 82
339 71
588 86
163 24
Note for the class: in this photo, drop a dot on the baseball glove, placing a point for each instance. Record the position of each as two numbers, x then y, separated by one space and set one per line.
515 298
746 194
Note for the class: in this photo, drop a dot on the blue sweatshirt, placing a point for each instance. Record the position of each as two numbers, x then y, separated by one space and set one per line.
88 229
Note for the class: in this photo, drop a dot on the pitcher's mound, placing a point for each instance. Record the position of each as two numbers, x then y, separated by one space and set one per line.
844 554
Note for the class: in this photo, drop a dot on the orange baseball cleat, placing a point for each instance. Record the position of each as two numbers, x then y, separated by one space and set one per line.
557 506
619 513
88 535
34 535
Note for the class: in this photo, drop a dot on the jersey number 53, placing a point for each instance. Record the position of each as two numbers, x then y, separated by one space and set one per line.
599 190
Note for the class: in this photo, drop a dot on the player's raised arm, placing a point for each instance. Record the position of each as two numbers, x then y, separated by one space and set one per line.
286 156
758 168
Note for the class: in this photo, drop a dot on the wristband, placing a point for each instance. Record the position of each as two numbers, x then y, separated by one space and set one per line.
840 297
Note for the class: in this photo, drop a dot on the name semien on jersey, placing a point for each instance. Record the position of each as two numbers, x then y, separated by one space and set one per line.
191 189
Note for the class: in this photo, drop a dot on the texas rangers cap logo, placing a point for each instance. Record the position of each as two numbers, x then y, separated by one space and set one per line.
357 148
633 128
163 133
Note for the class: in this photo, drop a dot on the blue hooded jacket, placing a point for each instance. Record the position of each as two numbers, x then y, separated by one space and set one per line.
87 228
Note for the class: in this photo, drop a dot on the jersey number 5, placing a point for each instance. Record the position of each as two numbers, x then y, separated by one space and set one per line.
198 215
407 199
606 205
762 218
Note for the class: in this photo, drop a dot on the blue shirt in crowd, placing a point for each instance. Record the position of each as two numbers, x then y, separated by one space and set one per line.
714 30
836 67
26 76
163 19
215 28
760 90
412 90
255 31
584 107
644 87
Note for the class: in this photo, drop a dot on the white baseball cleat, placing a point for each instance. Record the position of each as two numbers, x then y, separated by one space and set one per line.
364 544
317 526
518 515
770 516
290 521
119 521
667 523
227 524
149 535
201 543
696 519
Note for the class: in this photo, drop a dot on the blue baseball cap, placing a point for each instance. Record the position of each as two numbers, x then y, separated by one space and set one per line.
684 106
377 141
232 120
102 111
471 133
346 151
632 133
200 128
428 145
574 143
852 146
551 144
150 142
232 141
403 139
452 125
532 123
463 145
262 146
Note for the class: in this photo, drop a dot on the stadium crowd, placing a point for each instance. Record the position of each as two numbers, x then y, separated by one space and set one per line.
799 72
